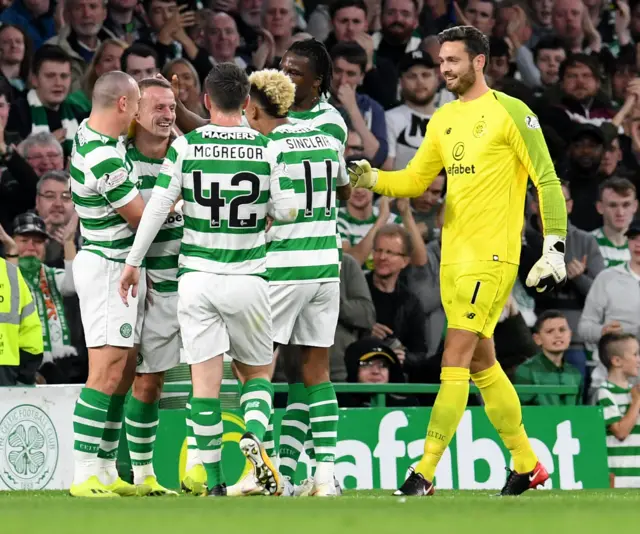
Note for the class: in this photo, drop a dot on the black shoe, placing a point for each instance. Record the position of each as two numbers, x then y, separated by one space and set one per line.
217 491
416 485
518 483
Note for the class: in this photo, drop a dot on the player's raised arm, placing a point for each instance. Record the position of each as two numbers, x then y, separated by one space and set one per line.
165 193
409 182
525 137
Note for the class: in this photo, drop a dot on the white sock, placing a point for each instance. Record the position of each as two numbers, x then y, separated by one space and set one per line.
324 472
140 472
85 469
193 459
108 472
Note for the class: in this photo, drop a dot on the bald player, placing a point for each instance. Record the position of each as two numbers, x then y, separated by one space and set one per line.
110 208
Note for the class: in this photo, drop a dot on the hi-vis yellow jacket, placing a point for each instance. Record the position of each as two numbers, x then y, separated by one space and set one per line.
20 327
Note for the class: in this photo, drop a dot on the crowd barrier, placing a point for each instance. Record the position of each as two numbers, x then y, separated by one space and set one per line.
376 446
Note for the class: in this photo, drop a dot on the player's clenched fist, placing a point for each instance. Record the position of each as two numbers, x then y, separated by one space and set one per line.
362 175
550 270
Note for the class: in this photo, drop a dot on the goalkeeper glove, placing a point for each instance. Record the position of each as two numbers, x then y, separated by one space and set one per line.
362 175
549 271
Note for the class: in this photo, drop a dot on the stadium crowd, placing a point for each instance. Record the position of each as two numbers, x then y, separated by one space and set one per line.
574 63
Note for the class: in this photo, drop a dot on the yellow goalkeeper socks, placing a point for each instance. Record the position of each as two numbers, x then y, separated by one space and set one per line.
502 405
445 417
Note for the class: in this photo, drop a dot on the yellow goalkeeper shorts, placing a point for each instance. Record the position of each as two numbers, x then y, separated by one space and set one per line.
475 293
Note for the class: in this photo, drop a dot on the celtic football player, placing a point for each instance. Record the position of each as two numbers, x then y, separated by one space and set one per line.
489 144
302 258
110 207
229 180
160 338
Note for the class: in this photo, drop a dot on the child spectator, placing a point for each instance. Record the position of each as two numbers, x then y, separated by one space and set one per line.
548 368
621 405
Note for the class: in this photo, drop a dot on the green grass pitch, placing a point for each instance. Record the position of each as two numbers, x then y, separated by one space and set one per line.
362 512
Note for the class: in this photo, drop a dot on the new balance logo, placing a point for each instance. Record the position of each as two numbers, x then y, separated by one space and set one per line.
470 315
215 442
253 404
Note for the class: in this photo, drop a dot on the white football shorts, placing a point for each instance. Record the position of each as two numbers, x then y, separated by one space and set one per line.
221 313
160 342
305 314
105 319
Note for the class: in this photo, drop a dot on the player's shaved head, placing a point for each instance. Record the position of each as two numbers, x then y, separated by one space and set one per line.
112 86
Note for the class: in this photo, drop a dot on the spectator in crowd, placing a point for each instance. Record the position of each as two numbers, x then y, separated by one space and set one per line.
426 207
358 223
407 123
357 315
481 14
624 71
43 152
369 361
123 21
17 178
279 19
620 403
513 22
35 16
350 24
581 170
15 57
512 337
424 282
498 68
613 302
82 34
364 114
106 59
400 320
579 98
139 61
48 286
399 20
20 329
354 149
190 88
568 21
166 32
541 70
549 368
55 207
617 205
45 108
611 163
223 40
584 263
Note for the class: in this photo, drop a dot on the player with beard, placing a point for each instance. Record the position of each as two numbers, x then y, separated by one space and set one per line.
490 145
407 123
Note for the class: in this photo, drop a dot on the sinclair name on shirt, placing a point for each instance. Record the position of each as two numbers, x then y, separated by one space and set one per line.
316 141
456 168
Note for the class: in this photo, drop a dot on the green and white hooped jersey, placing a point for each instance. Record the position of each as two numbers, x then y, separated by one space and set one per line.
306 250
612 254
324 117
226 176
100 184
162 258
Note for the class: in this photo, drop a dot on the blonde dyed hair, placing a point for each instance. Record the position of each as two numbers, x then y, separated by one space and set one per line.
276 90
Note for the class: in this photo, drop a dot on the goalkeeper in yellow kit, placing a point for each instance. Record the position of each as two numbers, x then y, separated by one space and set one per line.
489 144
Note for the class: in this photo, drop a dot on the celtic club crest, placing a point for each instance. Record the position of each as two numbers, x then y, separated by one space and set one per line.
28 448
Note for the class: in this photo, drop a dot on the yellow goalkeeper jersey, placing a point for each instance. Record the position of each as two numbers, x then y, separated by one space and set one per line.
488 147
